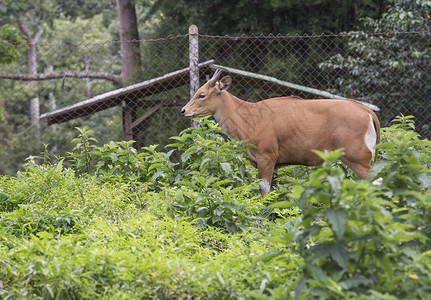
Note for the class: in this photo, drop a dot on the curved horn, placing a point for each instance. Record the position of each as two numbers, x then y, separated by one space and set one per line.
215 77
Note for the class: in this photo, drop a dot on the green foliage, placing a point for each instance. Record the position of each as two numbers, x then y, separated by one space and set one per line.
285 17
205 151
389 70
81 155
12 42
84 8
362 241
122 223
213 183
70 236
66 44
51 199
119 161
406 158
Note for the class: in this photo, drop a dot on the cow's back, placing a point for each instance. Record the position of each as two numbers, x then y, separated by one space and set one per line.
294 127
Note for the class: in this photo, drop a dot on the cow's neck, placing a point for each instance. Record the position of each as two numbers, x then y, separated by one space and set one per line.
232 117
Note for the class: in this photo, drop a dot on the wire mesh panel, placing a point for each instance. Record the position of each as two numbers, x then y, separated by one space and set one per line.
390 70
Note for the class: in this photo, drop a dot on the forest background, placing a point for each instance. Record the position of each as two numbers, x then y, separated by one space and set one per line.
92 35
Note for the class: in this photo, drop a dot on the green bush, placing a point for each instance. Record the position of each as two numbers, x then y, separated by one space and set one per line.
191 224
144 256
213 183
119 161
205 151
365 241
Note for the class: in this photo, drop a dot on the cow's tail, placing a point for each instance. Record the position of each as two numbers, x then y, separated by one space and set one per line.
376 124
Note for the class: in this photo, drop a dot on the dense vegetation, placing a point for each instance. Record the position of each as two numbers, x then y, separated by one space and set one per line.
372 69
218 17
110 222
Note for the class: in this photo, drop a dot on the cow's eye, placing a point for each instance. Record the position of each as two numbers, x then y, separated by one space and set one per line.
201 96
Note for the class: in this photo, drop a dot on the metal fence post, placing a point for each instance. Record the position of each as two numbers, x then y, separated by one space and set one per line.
194 62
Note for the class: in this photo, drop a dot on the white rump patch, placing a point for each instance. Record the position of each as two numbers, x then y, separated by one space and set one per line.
378 181
264 187
371 136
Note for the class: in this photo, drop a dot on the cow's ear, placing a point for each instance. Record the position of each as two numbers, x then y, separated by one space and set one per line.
225 83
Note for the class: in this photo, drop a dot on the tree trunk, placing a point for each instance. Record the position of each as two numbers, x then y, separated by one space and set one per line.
34 103
52 103
32 43
130 58
86 60
130 55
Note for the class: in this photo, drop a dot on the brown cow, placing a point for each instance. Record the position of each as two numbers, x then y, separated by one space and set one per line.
285 130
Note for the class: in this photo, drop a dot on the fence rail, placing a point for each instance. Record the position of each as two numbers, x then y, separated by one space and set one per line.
390 71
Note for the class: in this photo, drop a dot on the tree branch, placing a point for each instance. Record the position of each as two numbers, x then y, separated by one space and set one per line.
62 74
38 34
23 28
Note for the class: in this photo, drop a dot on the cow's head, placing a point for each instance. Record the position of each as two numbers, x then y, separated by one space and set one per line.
207 99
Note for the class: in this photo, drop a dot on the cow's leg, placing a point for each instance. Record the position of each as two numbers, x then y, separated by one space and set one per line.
265 166
360 169
359 152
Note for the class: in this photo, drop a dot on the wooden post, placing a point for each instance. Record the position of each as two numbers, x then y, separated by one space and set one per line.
194 62
194 59
35 113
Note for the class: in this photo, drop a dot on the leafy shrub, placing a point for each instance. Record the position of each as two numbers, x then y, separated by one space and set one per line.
217 185
205 151
52 199
33 185
209 204
364 241
81 155
32 219
214 185
142 257
104 230
119 161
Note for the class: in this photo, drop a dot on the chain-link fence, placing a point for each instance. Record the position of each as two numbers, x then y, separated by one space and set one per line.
391 71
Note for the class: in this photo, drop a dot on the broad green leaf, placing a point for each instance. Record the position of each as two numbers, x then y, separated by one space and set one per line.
330 156
269 255
154 166
45 235
318 273
425 180
387 145
337 219
299 288
100 164
334 286
340 254
216 219
257 295
378 167
201 180
201 211
283 204
335 183
156 175
189 184
226 167
296 192
354 282
221 182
